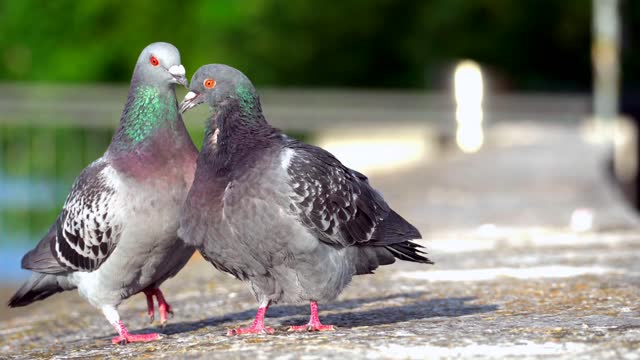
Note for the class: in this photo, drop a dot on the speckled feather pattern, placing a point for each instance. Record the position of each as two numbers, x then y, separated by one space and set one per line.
335 202
87 230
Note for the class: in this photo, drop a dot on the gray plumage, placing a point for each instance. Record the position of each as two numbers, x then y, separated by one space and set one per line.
285 216
117 232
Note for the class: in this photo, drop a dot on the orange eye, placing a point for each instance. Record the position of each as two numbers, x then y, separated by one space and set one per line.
154 61
209 83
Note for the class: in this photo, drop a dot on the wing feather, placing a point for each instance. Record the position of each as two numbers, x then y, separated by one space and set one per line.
335 202
87 229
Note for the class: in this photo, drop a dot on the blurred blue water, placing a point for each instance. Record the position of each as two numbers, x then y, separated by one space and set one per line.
21 193
10 257
27 193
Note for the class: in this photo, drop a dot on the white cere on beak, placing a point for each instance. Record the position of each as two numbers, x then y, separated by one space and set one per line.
177 70
190 95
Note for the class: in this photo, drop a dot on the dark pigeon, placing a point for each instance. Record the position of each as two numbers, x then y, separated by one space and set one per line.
285 216
116 235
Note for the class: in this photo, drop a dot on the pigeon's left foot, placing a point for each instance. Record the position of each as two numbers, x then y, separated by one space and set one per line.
124 337
314 322
163 307
257 327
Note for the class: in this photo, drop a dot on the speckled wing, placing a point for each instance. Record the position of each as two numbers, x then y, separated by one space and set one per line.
86 230
335 202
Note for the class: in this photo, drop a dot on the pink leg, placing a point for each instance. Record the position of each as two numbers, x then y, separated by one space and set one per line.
257 327
150 309
163 307
314 322
124 337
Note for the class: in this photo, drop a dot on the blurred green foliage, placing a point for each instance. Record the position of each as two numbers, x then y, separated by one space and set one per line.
533 44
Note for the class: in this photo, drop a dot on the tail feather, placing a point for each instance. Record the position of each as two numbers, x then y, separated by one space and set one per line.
395 235
368 258
409 251
38 287
394 229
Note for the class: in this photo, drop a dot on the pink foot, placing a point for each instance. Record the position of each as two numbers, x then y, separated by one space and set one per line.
250 330
135 338
124 337
314 322
312 327
163 307
257 327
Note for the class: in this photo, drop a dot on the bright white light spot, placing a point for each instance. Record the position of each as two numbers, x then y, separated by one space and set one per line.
469 91
487 230
469 137
468 84
581 220
488 274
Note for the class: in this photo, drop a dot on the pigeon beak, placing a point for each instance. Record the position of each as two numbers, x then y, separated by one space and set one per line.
191 100
178 73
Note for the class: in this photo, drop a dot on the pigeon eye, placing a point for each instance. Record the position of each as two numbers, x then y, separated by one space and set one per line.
154 61
209 83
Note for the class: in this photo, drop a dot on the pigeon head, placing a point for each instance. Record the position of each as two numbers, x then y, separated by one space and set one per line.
216 83
159 64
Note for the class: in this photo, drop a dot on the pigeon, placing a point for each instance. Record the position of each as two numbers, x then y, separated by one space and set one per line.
285 216
116 235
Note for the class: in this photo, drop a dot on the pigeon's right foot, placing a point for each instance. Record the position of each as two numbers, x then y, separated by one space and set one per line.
257 327
314 322
250 330
124 337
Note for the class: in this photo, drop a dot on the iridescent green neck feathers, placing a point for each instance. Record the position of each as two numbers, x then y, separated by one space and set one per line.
147 110
248 98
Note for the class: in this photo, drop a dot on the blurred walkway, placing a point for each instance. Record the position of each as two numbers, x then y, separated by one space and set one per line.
519 273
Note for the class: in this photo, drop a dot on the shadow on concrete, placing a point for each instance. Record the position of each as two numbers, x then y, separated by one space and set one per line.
414 307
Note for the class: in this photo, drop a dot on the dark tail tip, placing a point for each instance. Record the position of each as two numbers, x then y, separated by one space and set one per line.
20 298
409 251
38 287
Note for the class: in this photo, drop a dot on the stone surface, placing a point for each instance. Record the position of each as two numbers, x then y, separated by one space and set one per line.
511 280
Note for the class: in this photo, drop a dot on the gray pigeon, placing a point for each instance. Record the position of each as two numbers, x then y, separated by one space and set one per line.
285 216
117 233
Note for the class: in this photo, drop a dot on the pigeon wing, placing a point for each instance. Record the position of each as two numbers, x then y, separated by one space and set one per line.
335 202
87 231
